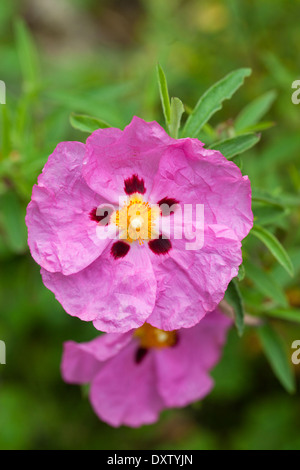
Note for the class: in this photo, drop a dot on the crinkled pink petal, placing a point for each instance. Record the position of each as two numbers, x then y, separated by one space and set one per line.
117 295
183 370
81 361
193 282
135 151
120 294
61 235
125 393
195 175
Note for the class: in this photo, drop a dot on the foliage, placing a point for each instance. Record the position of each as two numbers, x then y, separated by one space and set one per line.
63 90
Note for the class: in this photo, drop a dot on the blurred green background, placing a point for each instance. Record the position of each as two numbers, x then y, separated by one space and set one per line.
98 57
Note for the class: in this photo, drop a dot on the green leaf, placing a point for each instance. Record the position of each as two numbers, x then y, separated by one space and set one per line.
211 101
164 94
241 273
28 57
283 148
234 298
177 109
259 195
260 126
238 161
277 356
282 200
289 314
265 213
265 284
280 274
87 123
236 145
275 247
254 111
291 200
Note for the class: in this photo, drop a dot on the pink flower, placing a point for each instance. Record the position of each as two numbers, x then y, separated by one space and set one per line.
147 274
135 375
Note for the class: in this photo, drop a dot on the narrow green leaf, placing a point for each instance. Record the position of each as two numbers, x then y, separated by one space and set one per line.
254 111
234 298
238 161
86 123
277 356
265 213
265 284
282 200
259 195
283 148
291 200
260 126
241 273
236 145
289 314
280 274
28 56
164 94
177 109
211 101
275 247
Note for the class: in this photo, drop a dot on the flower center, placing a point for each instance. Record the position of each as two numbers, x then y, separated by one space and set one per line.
151 337
136 220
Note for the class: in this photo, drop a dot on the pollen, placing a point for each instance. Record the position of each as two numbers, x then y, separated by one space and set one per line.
136 219
151 337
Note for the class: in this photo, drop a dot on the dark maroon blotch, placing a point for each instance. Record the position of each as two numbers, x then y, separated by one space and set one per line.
160 246
103 218
176 340
165 205
140 354
134 184
119 249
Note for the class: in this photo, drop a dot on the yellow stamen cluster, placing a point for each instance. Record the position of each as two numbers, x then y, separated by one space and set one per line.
136 219
151 337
